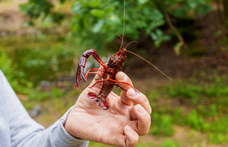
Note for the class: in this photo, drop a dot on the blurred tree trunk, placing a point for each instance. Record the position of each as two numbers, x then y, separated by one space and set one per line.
225 12
225 8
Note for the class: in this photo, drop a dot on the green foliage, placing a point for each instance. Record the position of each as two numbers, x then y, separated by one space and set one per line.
177 114
169 143
159 37
185 91
217 138
207 114
218 88
39 95
140 145
41 8
57 92
43 64
162 125
153 95
96 22
196 51
196 121
14 76
74 92
6 65
219 126
204 111
104 19
43 95
95 144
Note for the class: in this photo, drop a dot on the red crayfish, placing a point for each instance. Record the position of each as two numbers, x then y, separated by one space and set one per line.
108 73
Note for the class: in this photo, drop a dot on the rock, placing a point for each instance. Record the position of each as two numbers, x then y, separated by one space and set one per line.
35 111
45 85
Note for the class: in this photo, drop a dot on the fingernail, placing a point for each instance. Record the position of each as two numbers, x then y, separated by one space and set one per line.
132 92
128 129
121 76
141 110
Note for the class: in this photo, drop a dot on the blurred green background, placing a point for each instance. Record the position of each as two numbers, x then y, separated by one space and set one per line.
41 42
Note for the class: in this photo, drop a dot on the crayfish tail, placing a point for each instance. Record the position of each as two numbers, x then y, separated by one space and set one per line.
94 97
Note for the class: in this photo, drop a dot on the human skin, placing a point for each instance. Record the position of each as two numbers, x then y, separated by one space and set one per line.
127 118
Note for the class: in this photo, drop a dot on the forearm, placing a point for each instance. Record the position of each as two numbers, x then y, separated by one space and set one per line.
18 129
54 136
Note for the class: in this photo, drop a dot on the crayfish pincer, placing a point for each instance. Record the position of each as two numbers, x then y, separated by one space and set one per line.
108 74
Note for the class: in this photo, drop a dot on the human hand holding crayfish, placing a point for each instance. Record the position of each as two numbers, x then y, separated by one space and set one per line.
127 118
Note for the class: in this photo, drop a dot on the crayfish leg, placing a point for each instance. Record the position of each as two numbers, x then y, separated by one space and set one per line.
94 97
120 87
136 91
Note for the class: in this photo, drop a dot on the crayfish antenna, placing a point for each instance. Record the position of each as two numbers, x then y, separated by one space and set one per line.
129 44
149 63
122 42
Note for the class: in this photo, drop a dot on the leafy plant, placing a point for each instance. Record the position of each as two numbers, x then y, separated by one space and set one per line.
41 8
14 76
217 138
169 143
219 126
218 88
162 125
196 121
6 66
159 37
96 22
153 95
184 90
42 63
177 116
57 92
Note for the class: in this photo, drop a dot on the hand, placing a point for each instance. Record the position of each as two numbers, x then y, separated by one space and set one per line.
120 125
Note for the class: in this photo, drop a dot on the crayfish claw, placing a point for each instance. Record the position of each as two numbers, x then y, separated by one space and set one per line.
82 74
77 76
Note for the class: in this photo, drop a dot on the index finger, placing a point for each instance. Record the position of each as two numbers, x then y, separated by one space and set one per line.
139 98
124 83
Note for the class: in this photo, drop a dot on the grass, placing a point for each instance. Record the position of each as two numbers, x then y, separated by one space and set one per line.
162 125
205 110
